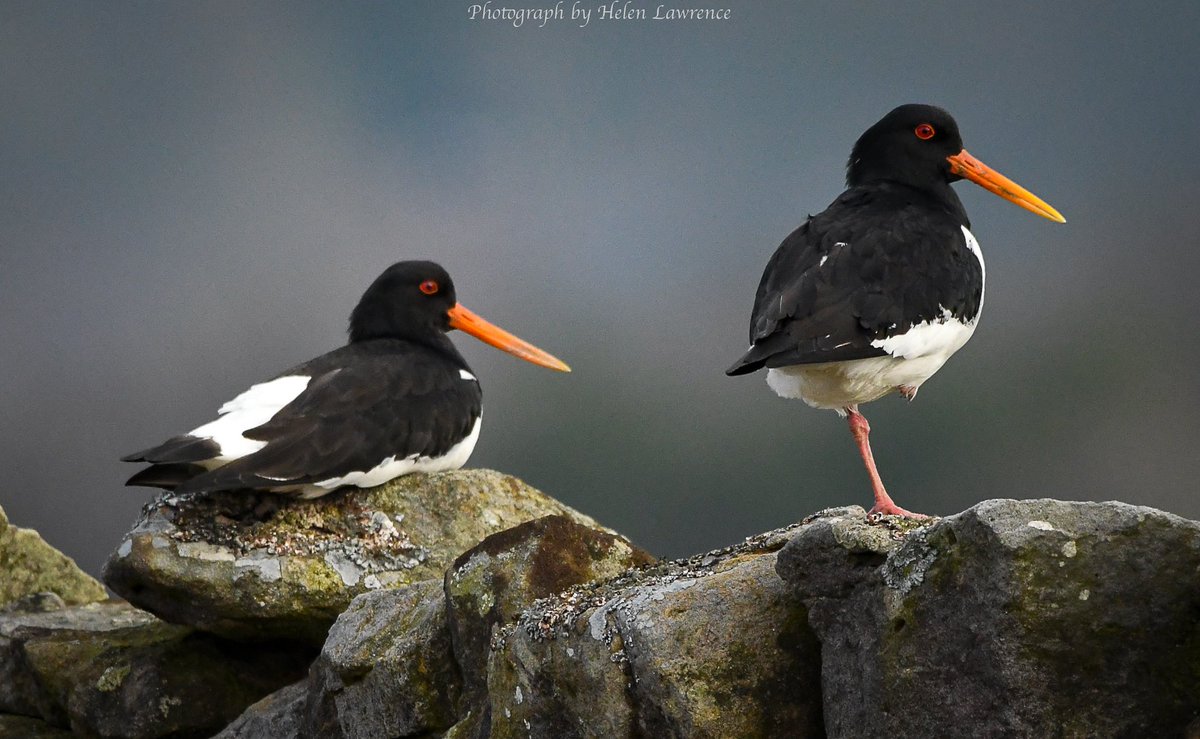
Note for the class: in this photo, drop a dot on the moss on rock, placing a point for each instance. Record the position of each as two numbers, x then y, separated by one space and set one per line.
30 565
259 566
108 669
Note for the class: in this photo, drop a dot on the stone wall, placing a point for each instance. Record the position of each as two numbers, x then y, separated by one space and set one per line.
466 604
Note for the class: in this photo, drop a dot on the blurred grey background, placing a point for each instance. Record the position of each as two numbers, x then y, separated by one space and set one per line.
194 195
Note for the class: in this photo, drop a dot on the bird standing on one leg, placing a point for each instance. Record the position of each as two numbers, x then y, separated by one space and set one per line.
875 293
397 399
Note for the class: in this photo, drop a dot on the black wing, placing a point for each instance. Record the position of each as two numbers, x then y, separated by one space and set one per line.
876 262
353 417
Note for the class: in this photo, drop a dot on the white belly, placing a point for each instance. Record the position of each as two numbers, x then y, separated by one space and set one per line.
840 385
912 358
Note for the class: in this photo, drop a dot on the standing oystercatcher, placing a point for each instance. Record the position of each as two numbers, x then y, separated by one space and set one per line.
397 399
876 292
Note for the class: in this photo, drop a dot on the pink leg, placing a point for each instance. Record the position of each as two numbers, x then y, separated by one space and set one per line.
883 502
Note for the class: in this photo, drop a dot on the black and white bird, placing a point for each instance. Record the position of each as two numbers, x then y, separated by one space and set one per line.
875 293
397 399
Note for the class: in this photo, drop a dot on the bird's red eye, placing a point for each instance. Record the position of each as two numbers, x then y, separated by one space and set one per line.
429 287
924 131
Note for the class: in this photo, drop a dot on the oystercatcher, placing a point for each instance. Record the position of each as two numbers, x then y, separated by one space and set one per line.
398 398
876 292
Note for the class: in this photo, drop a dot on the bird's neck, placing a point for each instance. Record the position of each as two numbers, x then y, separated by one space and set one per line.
938 196
437 342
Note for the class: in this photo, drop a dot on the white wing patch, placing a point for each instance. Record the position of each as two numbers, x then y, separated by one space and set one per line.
466 375
252 408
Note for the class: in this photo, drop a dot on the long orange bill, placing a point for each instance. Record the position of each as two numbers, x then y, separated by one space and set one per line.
965 165
489 333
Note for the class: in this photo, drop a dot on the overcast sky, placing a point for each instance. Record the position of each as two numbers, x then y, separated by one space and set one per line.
195 194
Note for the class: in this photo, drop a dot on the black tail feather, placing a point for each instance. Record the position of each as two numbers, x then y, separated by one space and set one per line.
177 449
166 476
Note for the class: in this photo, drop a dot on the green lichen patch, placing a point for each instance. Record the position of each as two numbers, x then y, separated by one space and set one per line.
31 566
107 669
256 565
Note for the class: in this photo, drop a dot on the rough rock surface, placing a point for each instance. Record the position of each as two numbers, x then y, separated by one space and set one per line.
1014 618
279 715
24 727
492 583
387 668
395 662
712 646
30 565
108 669
254 566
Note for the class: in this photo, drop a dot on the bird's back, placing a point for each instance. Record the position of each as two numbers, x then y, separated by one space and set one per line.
879 260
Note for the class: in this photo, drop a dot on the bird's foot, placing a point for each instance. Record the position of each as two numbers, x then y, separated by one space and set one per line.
909 392
888 508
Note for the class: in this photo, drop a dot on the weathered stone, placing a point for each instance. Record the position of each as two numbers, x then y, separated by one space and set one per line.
30 566
108 669
280 714
712 646
255 566
493 582
24 727
1014 618
387 668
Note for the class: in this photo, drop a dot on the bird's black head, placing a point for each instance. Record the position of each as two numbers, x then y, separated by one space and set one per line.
410 300
415 301
919 146
910 145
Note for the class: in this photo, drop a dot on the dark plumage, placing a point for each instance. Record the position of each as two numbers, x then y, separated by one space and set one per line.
398 398
879 260
876 292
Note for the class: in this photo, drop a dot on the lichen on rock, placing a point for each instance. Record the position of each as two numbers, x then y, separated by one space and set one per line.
30 565
710 646
1032 618
258 566
108 669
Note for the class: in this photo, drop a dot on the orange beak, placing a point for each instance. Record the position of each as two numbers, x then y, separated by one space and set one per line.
489 333
965 165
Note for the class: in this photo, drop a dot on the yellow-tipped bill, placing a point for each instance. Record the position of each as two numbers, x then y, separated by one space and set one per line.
489 333
965 165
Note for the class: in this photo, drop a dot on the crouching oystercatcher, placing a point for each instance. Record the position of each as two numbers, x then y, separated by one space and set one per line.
875 293
398 398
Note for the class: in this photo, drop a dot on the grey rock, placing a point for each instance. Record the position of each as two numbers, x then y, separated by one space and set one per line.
279 715
387 668
490 584
108 669
712 646
263 566
1014 618
32 566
